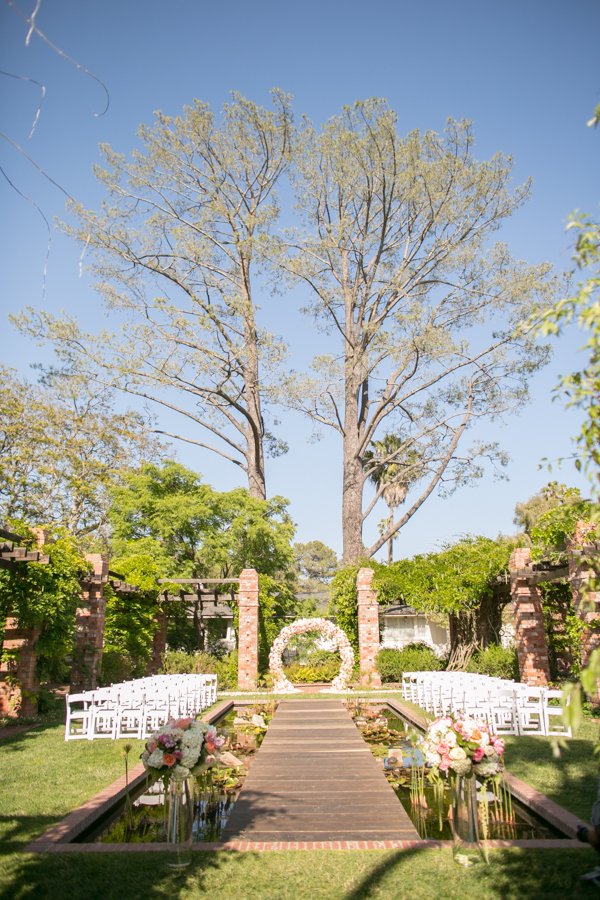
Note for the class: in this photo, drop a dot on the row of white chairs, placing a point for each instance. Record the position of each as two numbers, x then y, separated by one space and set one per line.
508 707
136 709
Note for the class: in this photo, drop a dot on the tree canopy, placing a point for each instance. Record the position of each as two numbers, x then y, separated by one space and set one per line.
61 449
166 518
426 315
316 564
549 497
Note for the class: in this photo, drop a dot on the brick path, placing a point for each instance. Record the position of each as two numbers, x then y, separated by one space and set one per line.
315 779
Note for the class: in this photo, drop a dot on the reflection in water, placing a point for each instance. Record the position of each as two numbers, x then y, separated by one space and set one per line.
214 791
393 741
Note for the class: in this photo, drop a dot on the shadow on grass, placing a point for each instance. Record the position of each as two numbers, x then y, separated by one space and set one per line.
106 876
16 830
515 874
303 875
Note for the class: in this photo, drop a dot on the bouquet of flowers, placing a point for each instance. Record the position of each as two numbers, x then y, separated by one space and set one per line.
180 748
462 746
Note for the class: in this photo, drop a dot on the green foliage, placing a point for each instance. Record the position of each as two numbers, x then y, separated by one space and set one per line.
178 662
563 628
550 496
582 389
46 595
225 668
117 665
312 672
343 603
496 661
457 578
392 663
276 600
62 447
129 628
174 524
556 527
315 564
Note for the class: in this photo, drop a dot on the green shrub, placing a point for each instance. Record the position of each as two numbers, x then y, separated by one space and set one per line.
311 674
179 662
497 661
392 663
117 666
226 670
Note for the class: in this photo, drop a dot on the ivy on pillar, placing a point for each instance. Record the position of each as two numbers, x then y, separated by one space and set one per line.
530 637
368 628
89 626
19 692
248 630
586 602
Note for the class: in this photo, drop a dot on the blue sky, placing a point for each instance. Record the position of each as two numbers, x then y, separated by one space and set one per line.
525 71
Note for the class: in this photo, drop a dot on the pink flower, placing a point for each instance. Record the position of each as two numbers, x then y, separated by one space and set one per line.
498 745
151 746
445 764
478 754
183 723
443 749
169 759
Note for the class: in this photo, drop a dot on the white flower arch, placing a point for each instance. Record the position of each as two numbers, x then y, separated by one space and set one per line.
282 685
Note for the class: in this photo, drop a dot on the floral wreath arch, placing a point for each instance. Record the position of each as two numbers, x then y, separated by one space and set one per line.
282 685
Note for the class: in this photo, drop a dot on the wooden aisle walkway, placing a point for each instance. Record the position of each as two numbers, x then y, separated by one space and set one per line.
315 779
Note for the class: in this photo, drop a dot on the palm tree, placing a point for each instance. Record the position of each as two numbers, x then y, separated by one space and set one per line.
392 468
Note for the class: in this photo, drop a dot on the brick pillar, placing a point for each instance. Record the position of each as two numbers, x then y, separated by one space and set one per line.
585 602
19 697
89 626
159 642
248 630
530 637
368 628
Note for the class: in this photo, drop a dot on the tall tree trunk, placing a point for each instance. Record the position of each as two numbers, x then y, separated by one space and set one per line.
255 431
354 477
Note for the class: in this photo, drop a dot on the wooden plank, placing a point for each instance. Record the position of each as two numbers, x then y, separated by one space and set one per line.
314 778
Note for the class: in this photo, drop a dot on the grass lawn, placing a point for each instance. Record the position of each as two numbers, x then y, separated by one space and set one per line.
569 779
42 778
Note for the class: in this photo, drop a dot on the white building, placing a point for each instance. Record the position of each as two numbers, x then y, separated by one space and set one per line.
402 625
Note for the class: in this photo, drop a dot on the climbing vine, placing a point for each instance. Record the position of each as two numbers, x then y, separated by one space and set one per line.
343 602
46 596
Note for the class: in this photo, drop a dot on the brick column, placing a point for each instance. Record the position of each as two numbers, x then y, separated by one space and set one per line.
159 642
89 626
248 630
530 637
20 697
585 602
368 628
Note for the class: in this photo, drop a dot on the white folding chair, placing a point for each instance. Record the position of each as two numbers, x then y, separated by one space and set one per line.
80 716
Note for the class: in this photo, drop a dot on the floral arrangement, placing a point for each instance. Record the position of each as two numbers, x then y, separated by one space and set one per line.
340 682
180 748
462 746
